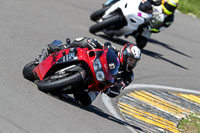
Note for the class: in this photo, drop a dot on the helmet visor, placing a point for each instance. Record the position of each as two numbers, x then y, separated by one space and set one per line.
131 62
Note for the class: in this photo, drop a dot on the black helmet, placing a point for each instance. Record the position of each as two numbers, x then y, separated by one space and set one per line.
129 55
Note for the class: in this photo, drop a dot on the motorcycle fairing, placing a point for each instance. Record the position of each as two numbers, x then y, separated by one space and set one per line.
83 54
59 57
71 56
41 70
133 15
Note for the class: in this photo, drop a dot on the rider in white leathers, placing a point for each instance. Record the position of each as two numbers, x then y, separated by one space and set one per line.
162 17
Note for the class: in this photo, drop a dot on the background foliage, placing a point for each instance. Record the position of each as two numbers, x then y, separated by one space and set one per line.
190 6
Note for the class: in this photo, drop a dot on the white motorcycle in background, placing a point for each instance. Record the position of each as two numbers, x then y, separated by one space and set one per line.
120 18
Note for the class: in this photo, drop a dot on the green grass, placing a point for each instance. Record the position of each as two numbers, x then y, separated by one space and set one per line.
191 124
190 6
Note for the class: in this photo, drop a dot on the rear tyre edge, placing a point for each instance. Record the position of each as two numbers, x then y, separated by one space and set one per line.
28 71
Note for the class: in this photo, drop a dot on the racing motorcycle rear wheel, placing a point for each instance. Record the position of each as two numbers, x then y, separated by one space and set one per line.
28 70
56 82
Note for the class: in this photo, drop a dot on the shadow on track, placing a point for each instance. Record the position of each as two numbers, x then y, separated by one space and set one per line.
118 41
150 53
95 110
160 56
167 46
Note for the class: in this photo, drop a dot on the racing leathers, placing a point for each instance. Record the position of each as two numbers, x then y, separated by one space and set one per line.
160 21
123 77
157 23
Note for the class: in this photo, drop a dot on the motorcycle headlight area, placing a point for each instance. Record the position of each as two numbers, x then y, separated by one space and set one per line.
98 70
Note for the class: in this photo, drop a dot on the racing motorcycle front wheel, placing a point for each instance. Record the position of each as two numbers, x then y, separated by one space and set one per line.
57 82
107 23
99 13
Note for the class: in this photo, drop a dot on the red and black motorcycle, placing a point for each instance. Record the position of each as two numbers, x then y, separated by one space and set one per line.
74 70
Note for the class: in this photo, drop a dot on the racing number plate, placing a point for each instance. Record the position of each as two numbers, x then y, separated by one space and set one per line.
68 57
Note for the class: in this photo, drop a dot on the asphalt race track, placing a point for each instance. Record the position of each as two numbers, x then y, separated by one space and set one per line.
172 58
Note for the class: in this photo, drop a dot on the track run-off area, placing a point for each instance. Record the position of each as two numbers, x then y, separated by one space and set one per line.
153 108
171 58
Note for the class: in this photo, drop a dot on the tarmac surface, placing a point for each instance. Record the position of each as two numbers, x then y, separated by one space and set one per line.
172 58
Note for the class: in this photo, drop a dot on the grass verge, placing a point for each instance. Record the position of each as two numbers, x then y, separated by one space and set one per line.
191 124
190 6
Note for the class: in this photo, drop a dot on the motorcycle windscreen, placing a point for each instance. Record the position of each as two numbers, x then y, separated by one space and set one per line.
113 62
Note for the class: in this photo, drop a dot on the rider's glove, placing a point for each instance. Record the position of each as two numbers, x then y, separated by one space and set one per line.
115 89
112 92
152 30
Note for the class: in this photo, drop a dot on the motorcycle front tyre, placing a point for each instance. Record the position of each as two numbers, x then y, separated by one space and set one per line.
105 24
48 85
98 14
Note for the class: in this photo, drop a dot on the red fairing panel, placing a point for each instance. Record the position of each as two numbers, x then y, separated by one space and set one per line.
42 69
